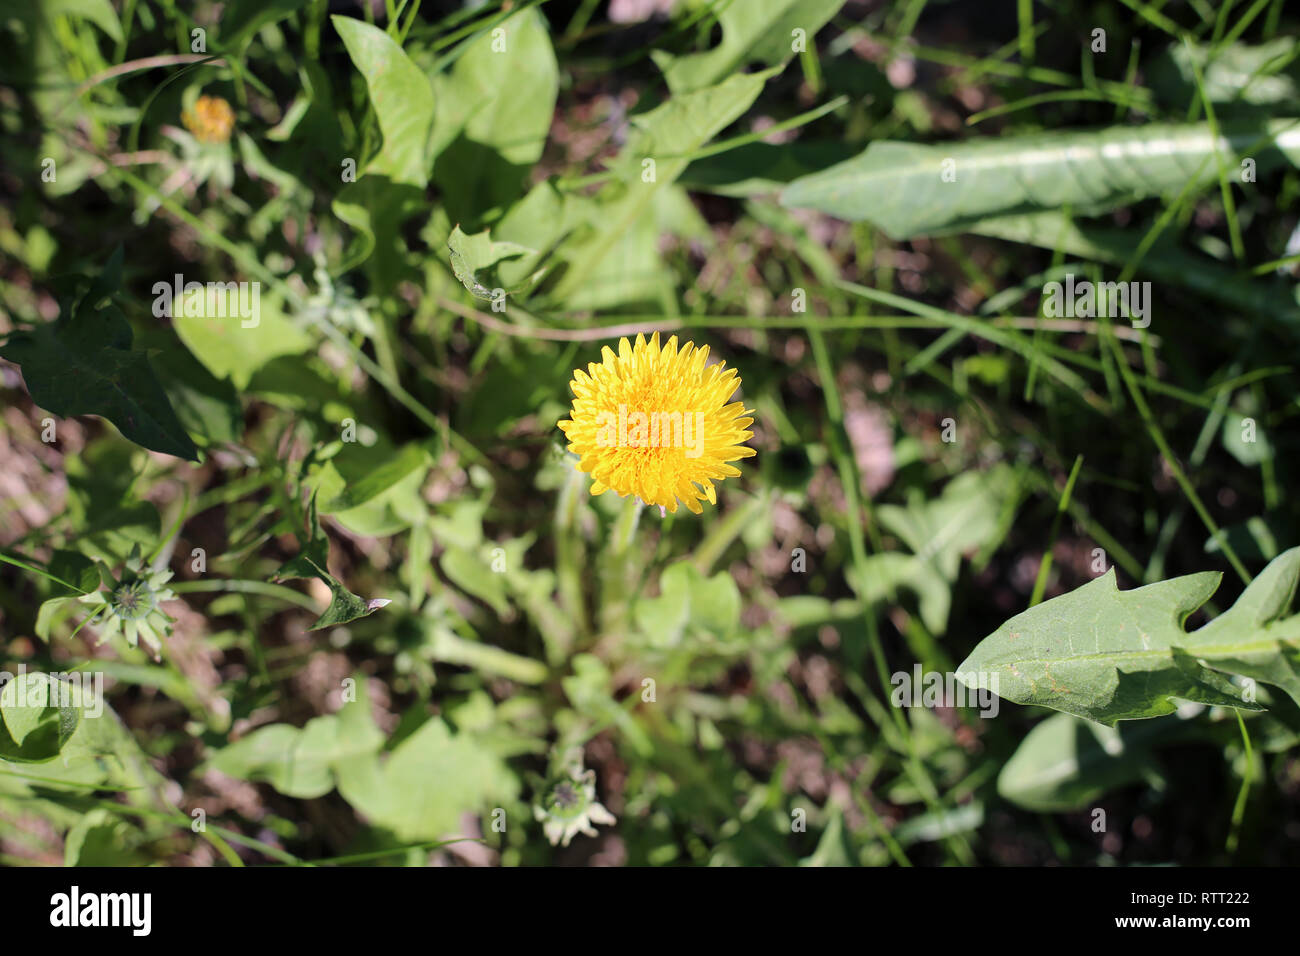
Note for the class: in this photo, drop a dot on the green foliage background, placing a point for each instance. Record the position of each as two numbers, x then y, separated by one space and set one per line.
398 612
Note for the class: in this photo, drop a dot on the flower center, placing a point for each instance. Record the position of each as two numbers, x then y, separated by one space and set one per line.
132 600
565 796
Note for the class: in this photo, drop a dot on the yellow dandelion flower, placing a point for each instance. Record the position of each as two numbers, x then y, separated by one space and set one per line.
653 422
211 120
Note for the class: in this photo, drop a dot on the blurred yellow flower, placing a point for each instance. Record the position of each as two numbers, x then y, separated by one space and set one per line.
653 423
211 120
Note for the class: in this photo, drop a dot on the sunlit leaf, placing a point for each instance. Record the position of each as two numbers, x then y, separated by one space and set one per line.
908 189
1107 655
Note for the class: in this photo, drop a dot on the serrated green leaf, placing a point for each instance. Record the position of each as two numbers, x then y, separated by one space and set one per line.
1111 655
82 363
908 189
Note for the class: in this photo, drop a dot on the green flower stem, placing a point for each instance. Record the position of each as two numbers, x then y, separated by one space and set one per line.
263 588
617 578
726 531
568 551
625 527
1239 808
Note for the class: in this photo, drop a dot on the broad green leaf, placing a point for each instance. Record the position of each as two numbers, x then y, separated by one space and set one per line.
99 750
753 31
513 386
689 602
40 714
630 270
82 363
1066 763
963 518
394 511
112 535
1110 655
538 221
884 574
370 484
207 406
101 839
427 783
302 762
494 113
74 568
401 96
98 12
501 91
908 189
472 256
230 350
762 167
269 753
376 208
633 269
374 490
662 144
